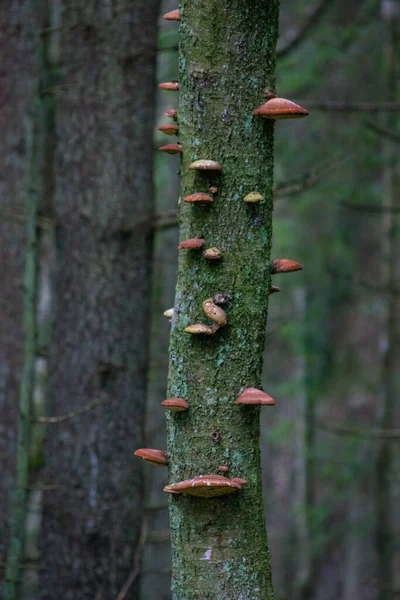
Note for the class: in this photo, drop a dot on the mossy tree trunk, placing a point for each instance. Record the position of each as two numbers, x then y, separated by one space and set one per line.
227 59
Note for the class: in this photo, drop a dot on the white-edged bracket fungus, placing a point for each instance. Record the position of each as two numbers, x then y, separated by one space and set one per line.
192 244
169 313
285 265
155 457
205 165
253 197
171 86
205 486
175 404
215 313
274 289
280 108
212 254
199 198
171 129
173 15
171 148
254 396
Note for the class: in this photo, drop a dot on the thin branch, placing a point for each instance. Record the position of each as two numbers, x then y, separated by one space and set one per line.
166 219
347 107
370 208
298 37
382 131
338 429
136 563
70 415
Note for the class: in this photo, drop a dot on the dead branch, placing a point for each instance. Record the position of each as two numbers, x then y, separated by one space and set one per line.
294 40
70 415
383 132
370 208
136 563
348 107
338 429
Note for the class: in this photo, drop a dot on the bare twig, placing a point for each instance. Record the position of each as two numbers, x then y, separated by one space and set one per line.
70 415
338 429
294 40
311 178
136 563
383 132
370 208
166 219
346 107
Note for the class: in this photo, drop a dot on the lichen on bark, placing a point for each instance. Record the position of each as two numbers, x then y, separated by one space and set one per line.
227 60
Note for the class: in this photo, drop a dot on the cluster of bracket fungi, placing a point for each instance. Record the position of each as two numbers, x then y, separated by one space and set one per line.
213 484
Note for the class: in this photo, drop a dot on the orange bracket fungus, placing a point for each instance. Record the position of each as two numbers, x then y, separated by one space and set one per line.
223 468
156 457
200 329
199 198
171 148
192 244
239 480
205 486
175 404
171 129
212 254
253 197
214 313
280 108
171 86
205 165
173 15
255 397
274 289
285 265
171 113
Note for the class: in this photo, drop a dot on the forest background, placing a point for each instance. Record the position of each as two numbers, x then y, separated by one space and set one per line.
78 114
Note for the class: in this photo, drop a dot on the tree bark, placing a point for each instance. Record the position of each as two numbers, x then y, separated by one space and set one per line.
92 519
227 59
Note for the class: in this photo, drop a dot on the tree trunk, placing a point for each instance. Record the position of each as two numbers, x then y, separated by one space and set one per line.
103 212
227 58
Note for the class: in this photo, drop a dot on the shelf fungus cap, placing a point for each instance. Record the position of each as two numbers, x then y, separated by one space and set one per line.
280 108
200 329
205 165
173 15
171 113
172 86
253 197
171 148
285 265
212 254
205 486
156 457
175 404
169 313
223 468
192 244
171 129
239 480
199 198
214 312
274 289
255 397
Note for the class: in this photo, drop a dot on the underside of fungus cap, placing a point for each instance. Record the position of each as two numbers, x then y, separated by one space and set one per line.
156 457
285 265
255 397
171 129
280 108
171 148
175 404
205 165
172 15
206 486
172 86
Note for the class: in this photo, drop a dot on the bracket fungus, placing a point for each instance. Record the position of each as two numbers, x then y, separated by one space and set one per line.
200 329
169 313
253 197
171 129
199 198
173 15
214 313
280 108
171 148
171 113
212 254
239 480
171 86
205 165
274 289
254 396
205 486
285 265
223 468
155 457
192 244
175 404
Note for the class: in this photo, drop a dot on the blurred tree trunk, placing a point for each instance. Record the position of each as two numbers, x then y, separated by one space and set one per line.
386 539
219 546
18 86
103 210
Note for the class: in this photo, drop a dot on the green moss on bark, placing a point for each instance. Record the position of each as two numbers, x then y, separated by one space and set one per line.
227 59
